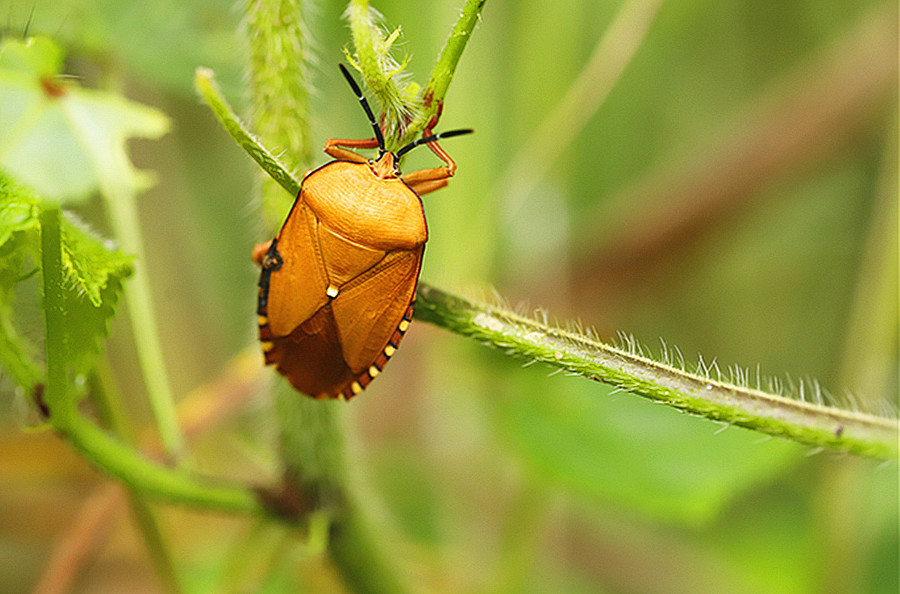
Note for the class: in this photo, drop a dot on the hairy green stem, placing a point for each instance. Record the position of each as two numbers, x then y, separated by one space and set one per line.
312 443
56 395
700 394
405 111
303 422
442 73
279 54
205 83
383 75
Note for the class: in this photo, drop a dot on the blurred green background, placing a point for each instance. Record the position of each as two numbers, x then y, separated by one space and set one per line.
735 195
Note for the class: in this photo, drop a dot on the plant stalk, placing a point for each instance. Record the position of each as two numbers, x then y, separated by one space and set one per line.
703 393
125 221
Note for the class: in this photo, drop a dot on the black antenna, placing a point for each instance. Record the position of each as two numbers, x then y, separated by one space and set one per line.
433 138
365 105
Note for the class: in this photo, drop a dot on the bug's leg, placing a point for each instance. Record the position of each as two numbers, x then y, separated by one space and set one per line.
433 122
424 187
338 148
434 146
260 250
267 256
424 181
443 156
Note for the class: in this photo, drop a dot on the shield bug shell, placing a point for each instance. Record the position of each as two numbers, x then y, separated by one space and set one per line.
338 282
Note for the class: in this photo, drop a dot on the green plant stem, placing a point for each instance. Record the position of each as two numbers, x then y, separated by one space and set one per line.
356 550
279 50
699 394
868 361
153 540
611 56
123 214
404 114
372 57
318 450
107 397
312 443
442 73
153 479
304 423
63 414
205 83
105 452
56 395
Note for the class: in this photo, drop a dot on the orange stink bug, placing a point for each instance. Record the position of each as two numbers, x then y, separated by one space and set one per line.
338 282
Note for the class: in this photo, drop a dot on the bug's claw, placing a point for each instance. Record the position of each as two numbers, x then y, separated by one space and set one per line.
260 250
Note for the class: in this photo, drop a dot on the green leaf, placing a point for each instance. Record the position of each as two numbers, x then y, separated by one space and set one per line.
94 273
629 453
90 263
17 210
62 141
17 355
19 239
